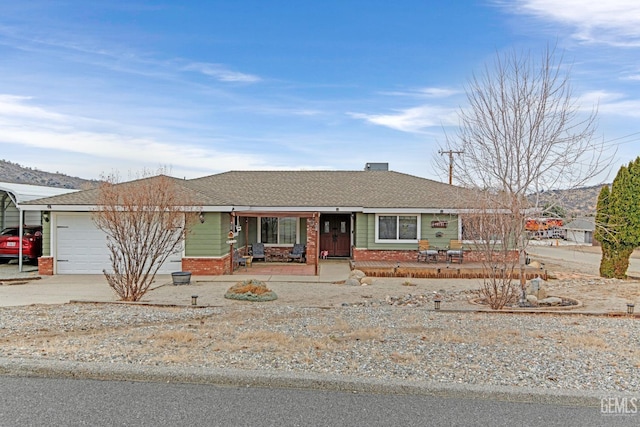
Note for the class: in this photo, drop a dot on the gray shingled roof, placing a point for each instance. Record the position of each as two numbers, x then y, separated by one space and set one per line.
586 224
290 189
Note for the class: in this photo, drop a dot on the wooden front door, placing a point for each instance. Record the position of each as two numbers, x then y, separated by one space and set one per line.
335 234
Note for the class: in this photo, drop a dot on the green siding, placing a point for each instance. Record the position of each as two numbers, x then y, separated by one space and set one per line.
362 231
449 233
366 232
208 239
46 237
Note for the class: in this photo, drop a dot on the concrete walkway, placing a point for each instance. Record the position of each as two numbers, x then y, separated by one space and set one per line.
28 288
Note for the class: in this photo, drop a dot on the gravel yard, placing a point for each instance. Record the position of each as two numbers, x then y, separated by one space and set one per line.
408 343
384 331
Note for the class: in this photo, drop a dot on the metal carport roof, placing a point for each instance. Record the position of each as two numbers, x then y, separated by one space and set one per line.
20 193
24 192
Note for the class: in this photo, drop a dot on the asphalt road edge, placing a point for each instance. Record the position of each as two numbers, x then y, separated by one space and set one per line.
45 368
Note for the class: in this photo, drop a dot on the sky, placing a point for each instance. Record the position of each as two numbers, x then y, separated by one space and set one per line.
92 88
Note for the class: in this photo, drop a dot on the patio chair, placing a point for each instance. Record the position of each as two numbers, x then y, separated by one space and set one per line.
425 254
455 251
297 253
257 250
238 261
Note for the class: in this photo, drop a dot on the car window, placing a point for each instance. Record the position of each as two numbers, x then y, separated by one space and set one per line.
9 232
32 232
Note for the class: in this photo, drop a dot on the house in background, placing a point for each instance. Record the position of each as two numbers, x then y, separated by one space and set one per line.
372 214
581 230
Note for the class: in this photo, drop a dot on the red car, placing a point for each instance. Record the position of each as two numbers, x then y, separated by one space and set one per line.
31 243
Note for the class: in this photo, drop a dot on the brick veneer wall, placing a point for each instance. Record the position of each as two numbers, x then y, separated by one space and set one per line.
45 266
412 255
311 241
379 255
206 266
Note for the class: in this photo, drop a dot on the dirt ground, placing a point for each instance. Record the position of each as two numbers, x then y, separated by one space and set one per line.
573 272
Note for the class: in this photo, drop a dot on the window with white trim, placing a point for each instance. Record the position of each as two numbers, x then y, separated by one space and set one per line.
278 230
397 228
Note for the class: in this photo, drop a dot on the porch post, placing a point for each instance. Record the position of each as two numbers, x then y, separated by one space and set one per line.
313 230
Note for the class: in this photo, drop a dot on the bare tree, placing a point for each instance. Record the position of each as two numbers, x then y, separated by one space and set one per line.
523 133
145 221
492 232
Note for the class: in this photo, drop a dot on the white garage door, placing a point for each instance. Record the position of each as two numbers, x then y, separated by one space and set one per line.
81 248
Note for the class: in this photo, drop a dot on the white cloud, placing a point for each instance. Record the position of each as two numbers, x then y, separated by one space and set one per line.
221 73
612 22
428 92
412 120
611 103
31 127
13 106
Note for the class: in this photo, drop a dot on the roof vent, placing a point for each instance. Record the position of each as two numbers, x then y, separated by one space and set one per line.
376 167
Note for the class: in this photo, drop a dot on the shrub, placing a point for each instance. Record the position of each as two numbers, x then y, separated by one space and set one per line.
251 290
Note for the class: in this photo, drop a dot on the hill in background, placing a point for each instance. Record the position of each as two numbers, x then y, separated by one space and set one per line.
577 202
17 174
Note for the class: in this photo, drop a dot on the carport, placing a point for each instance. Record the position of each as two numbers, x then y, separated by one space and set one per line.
11 212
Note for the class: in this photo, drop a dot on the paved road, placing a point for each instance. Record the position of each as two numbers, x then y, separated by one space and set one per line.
47 402
586 258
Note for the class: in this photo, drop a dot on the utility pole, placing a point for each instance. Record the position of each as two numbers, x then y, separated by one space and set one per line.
450 153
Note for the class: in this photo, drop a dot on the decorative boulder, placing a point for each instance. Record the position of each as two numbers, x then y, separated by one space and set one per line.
352 282
365 281
251 290
537 287
536 264
532 299
356 274
550 301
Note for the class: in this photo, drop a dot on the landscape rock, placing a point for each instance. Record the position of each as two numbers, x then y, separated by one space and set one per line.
550 301
532 299
352 282
537 287
366 281
356 274
536 264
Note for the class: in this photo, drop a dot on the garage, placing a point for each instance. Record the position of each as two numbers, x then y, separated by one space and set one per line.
81 248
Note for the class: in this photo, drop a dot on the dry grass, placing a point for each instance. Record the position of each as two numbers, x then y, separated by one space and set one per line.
366 334
210 340
403 358
587 341
246 288
173 337
263 337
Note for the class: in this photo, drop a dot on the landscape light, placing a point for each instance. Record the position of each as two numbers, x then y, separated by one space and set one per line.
630 308
194 299
436 304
